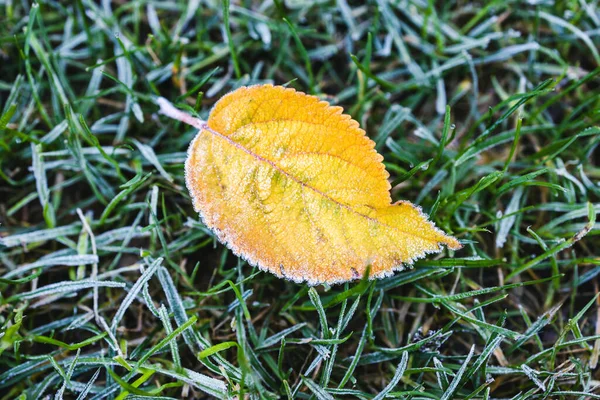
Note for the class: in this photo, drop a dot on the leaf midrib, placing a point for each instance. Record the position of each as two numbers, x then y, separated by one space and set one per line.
237 145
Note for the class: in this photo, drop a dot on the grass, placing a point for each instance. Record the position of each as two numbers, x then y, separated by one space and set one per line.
486 114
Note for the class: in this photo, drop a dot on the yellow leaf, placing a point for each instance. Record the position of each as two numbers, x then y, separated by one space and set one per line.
295 187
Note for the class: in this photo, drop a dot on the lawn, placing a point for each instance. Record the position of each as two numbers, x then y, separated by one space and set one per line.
487 116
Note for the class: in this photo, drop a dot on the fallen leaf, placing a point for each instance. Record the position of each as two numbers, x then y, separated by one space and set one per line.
296 188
